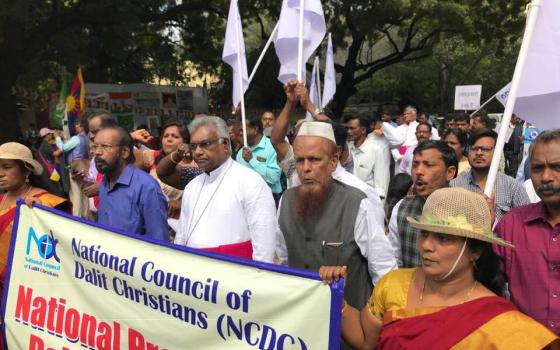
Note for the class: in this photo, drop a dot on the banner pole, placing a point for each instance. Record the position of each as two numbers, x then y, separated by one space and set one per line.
482 105
533 11
263 52
240 78
300 40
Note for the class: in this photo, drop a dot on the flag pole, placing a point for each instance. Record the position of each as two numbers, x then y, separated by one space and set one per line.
300 40
484 104
318 80
533 11
240 77
263 52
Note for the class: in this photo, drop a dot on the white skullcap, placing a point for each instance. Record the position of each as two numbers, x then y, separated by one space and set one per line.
319 129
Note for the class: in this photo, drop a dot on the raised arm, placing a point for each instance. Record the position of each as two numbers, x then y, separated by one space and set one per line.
168 169
280 128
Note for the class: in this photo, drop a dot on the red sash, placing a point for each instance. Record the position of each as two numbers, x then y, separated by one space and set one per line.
241 250
442 329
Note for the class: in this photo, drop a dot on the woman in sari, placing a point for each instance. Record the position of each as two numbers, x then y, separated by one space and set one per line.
457 139
20 177
454 300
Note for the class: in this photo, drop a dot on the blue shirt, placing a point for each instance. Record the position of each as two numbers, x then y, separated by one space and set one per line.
135 204
264 163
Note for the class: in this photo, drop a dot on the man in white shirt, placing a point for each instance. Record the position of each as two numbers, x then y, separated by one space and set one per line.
423 133
371 159
325 222
229 208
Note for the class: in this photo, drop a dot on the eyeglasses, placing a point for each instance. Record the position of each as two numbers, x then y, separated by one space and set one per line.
103 147
206 144
483 149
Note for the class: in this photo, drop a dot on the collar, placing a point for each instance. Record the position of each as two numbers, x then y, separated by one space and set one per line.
362 148
261 144
337 173
535 212
124 179
215 174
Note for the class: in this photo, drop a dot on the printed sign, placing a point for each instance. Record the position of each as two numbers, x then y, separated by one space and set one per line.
74 285
467 97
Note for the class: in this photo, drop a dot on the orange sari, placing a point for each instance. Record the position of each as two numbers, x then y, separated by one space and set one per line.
7 220
484 323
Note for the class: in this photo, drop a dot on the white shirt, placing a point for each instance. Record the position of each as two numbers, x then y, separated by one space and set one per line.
406 162
230 205
408 132
370 238
371 164
392 135
393 235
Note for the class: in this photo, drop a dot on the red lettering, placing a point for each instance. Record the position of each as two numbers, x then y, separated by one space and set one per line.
87 334
72 325
135 340
23 304
36 343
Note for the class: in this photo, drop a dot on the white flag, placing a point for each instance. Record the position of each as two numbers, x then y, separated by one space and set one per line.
503 94
313 89
286 42
329 87
234 51
538 95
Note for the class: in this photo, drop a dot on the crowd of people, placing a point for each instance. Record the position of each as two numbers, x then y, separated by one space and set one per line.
383 200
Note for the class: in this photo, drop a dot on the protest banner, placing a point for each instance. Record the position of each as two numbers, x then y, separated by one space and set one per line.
467 97
73 284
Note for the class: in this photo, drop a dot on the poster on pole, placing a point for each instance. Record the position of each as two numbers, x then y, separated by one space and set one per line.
72 284
467 97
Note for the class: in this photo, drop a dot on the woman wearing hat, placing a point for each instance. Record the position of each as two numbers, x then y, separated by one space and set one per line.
454 300
19 177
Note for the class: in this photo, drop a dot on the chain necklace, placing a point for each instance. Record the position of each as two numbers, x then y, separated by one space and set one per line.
464 300
190 230
5 197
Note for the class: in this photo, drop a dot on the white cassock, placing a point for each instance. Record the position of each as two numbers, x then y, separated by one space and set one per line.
230 205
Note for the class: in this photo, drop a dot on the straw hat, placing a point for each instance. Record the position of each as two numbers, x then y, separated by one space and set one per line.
458 212
17 151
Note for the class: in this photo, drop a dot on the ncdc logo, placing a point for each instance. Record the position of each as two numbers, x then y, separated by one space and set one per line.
46 245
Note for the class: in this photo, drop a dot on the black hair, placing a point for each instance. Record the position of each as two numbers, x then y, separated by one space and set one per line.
544 137
426 124
488 266
125 140
340 133
398 187
107 120
363 119
459 134
83 123
463 117
183 131
480 134
42 180
488 122
255 123
447 153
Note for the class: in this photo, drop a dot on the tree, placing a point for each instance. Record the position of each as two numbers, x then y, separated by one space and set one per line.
125 41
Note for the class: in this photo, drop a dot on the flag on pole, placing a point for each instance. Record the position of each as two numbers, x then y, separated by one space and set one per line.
59 112
503 94
76 101
329 83
231 53
313 89
538 95
286 43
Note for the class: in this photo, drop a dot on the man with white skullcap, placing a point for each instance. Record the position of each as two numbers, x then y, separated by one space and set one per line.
325 222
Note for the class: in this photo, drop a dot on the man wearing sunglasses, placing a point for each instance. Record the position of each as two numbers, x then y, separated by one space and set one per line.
229 208
508 193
